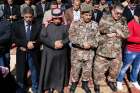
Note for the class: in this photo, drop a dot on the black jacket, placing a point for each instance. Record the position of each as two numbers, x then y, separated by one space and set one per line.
39 9
99 16
5 36
19 37
127 14
15 11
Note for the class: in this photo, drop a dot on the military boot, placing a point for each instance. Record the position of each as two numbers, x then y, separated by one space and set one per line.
85 86
73 87
112 85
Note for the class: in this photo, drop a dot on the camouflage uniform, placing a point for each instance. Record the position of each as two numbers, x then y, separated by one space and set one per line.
102 7
109 52
79 33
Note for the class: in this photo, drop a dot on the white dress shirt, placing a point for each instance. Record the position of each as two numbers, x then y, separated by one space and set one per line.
26 26
76 15
43 7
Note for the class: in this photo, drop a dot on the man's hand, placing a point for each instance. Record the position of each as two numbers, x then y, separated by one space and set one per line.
120 33
112 35
58 44
14 17
87 45
30 45
10 17
23 49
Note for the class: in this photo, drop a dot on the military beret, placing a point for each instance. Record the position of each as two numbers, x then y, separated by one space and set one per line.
86 8
57 13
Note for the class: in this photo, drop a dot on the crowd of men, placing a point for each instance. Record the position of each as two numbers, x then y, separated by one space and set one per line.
60 44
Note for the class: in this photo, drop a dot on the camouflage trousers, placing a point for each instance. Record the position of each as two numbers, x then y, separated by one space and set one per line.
102 65
81 65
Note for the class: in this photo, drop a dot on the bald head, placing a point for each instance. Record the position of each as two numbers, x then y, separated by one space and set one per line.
76 4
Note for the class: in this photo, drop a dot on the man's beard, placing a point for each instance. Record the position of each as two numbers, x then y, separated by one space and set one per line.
87 21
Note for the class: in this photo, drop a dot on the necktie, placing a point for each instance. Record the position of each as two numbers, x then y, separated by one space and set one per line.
43 7
28 32
95 15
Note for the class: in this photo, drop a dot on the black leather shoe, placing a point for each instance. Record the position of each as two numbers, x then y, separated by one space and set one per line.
113 86
97 88
73 87
85 87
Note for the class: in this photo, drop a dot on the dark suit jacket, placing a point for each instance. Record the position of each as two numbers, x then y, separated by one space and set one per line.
127 13
19 37
15 11
39 9
5 36
99 16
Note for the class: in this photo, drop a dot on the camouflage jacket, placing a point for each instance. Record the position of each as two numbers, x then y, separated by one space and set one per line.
103 7
111 46
81 32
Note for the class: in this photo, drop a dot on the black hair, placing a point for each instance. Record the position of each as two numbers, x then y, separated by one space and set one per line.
54 3
96 3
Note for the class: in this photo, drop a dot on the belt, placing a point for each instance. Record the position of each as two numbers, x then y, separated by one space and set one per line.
133 42
79 47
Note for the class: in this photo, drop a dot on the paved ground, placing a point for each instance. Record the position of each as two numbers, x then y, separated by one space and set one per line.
128 88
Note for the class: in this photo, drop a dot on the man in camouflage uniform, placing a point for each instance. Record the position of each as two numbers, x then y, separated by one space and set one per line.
103 5
113 29
82 35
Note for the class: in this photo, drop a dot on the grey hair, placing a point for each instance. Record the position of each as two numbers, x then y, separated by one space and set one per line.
118 7
28 10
